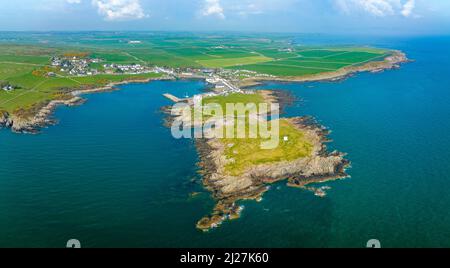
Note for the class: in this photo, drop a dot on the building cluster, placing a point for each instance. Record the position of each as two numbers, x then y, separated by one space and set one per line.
164 70
75 66
289 50
126 68
223 85
235 75
7 87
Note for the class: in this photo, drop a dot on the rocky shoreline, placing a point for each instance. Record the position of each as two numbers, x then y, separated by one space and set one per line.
227 190
321 166
41 119
43 115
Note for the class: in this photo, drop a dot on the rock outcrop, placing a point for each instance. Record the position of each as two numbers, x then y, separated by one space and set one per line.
32 124
5 120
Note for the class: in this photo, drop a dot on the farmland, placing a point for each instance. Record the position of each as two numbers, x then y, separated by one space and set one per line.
24 58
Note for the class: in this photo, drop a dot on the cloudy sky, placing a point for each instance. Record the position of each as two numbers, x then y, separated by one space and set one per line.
310 16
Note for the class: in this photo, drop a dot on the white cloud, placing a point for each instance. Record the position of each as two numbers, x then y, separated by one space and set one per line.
119 9
250 9
379 8
74 1
231 8
408 8
213 8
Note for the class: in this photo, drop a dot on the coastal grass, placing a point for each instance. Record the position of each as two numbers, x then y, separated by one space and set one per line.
246 152
16 59
243 154
222 101
314 61
280 70
37 89
23 62
234 98
23 99
8 70
229 62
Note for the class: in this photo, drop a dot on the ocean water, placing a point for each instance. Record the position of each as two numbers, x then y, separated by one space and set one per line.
111 175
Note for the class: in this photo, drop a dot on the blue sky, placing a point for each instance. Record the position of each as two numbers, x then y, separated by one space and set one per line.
393 17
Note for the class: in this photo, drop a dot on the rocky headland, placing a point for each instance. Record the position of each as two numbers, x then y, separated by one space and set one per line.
228 189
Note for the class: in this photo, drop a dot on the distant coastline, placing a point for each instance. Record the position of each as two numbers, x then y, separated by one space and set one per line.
227 190
41 116
390 62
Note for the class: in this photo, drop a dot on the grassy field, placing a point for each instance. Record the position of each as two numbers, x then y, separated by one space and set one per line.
314 61
230 62
35 90
234 98
247 152
22 54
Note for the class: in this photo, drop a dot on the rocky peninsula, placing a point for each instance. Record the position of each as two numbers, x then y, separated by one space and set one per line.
229 185
227 190
313 164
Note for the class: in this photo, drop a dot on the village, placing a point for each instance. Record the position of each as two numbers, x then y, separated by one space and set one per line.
78 66
223 80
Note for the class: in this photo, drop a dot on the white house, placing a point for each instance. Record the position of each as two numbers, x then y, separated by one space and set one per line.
8 88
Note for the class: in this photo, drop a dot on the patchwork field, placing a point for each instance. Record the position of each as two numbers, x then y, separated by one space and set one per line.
314 61
230 62
23 56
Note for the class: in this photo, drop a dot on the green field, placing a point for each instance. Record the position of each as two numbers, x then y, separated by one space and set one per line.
247 152
234 98
35 90
315 61
272 55
230 62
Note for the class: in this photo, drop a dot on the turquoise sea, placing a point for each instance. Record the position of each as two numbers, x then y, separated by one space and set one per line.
111 175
